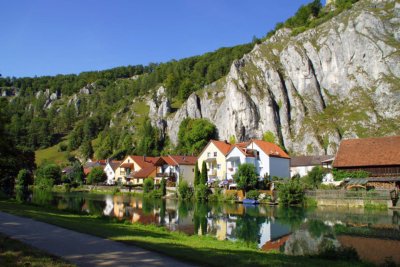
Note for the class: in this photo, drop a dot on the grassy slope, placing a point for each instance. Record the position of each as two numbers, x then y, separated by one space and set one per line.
51 154
198 249
14 253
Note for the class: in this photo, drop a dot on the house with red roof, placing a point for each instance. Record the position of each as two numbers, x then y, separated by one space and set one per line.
268 158
379 157
214 155
110 169
134 169
223 159
175 168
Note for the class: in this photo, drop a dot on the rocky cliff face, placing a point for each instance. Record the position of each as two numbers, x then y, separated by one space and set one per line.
341 79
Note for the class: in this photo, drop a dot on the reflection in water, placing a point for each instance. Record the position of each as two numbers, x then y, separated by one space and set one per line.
375 235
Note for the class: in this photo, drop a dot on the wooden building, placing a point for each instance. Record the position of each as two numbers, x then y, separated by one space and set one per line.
380 157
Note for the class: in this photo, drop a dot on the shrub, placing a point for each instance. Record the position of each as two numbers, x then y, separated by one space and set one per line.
184 191
339 175
314 177
148 185
252 194
291 193
202 192
96 176
246 176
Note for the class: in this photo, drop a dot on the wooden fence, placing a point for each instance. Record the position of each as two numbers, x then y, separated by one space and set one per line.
345 194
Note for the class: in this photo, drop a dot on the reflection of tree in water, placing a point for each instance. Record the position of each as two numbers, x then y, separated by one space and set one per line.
318 228
95 207
147 206
292 216
200 218
162 211
43 198
183 209
248 229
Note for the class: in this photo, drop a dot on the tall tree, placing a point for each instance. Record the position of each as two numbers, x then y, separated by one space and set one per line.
204 176
196 175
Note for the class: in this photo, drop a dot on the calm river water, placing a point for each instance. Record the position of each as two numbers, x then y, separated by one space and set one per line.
375 235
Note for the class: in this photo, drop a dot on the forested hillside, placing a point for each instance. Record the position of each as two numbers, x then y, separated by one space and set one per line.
106 113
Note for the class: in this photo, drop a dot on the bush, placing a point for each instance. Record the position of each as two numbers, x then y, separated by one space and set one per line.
252 194
96 176
291 193
148 185
246 176
49 171
314 177
184 191
202 192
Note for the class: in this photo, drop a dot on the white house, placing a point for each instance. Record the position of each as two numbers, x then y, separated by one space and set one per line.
303 164
176 168
268 158
238 155
110 169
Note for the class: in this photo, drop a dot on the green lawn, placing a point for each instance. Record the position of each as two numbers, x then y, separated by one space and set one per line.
14 253
197 249
51 154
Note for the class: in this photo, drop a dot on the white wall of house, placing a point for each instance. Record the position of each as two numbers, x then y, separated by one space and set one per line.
186 172
273 166
233 160
302 170
110 174
279 167
262 163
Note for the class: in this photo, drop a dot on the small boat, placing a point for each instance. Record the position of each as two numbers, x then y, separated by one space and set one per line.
250 201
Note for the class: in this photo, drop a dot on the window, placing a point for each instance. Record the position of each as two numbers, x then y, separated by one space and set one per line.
192 170
208 154
215 154
128 161
218 166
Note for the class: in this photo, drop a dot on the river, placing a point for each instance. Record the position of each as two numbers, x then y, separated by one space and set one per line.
374 235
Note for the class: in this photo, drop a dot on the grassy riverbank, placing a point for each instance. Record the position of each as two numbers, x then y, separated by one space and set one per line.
14 253
197 249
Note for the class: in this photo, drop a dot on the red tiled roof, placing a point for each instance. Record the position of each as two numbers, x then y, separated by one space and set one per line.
145 172
115 164
183 160
127 165
143 161
271 149
380 151
223 146
169 161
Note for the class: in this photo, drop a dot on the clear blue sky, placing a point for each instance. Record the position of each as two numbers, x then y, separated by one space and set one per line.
48 37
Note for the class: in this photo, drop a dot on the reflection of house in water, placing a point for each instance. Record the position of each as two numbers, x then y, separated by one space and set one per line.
272 232
109 206
373 249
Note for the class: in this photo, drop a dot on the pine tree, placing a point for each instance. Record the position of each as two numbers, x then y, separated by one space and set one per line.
196 175
203 177
86 149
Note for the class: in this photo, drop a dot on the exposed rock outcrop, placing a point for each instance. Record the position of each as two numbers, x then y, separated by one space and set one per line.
338 80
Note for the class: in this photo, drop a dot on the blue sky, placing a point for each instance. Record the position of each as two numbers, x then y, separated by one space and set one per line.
49 37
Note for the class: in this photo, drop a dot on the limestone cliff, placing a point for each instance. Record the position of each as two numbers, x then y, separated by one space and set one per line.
340 79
